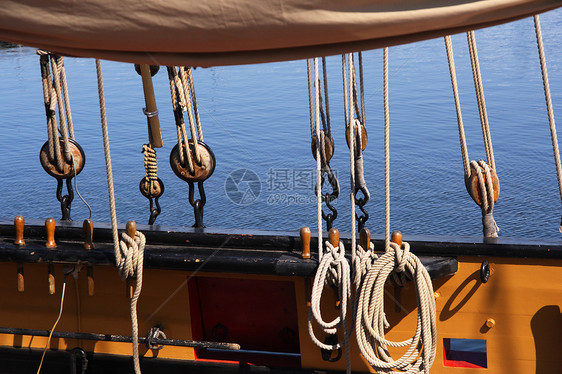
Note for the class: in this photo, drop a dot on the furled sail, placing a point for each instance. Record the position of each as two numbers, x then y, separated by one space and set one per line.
227 32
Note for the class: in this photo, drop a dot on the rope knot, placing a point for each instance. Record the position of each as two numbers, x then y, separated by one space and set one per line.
131 255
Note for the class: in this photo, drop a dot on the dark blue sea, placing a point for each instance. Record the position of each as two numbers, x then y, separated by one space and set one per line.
256 118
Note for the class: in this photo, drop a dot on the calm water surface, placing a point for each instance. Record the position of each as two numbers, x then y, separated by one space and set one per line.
256 117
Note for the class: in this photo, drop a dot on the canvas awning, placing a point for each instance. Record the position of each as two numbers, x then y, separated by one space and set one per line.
228 32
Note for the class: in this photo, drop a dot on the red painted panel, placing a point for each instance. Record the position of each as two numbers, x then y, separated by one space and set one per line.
260 315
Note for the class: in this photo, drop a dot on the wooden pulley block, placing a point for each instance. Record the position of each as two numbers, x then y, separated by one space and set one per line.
68 168
472 185
155 191
356 126
202 171
153 69
328 147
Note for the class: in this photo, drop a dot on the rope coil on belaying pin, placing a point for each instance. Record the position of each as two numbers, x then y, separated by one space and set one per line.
334 272
371 321
151 186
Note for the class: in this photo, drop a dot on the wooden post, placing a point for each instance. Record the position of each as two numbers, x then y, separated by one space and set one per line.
396 237
50 228
154 134
21 280
88 228
365 239
334 237
131 229
305 241
19 223
51 272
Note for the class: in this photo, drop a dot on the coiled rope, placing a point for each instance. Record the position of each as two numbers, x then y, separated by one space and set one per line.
371 322
129 253
150 165
333 271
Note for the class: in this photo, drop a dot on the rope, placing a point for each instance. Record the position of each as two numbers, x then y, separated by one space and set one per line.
188 97
150 164
371 321
54 326
486 187
386 153
549 108
351 128
129 259
333 271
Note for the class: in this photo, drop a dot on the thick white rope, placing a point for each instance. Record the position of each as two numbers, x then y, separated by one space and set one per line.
351 130
549 108
128 260
189 107
318 159
371 320
333 271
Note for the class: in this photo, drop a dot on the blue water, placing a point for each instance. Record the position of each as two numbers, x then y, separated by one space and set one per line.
256 117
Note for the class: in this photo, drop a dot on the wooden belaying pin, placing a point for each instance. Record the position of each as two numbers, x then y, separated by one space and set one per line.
50 227
131 229
21 280
151 111
19 224
88 229
365 239
90 271
334 237
51 271
396 237
305 241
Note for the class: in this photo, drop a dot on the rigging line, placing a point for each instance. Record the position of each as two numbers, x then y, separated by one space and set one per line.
479 88
76 187
386 153
464 150
66 98
195 107
54 326
63 127
310 100
362 89
344 79
325 75
194 139
549 108
318 168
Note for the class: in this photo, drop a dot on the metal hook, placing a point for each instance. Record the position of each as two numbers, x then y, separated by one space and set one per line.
66 200
197 204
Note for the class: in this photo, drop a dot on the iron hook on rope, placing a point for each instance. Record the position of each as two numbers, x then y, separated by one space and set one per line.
326 154
360 142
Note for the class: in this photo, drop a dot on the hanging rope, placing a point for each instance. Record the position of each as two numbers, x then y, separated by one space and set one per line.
549 108
129 253
356 127
480 177
322 142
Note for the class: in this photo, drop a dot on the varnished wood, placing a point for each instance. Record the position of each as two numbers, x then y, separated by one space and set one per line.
334 237
51 279
68 168
19 224
50 228
90 273
329 147
363 136
21 279
473 187
131 229
154 133
305 240
201 171
396 237
365 238
88 229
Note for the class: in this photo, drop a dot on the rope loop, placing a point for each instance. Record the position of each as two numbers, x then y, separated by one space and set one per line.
130 257
371 319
